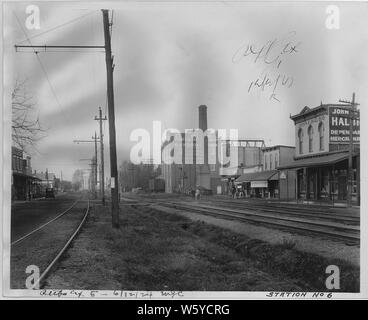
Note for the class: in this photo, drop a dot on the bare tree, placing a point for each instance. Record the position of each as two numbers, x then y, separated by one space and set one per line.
26 128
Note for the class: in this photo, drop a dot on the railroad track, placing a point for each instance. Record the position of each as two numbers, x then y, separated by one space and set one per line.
46 272
337 231
286 207
68 210
65 244
291 211
326 222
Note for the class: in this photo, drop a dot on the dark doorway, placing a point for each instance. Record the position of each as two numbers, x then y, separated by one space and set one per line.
342 187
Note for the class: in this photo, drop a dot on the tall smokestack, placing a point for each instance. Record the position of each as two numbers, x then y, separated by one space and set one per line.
203 127
203 117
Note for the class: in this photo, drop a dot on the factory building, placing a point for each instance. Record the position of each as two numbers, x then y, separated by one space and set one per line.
189 169
321 161
199 166
179 177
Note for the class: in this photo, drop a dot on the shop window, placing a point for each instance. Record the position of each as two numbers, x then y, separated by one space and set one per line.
354 187
301 185
270 161
324 187
227 149
310 138
321 129
265 162
300 139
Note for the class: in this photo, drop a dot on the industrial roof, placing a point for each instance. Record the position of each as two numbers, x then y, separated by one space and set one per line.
258 176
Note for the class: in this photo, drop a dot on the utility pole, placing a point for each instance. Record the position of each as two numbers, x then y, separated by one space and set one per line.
102 171
47 177
95 162
112 134
352 112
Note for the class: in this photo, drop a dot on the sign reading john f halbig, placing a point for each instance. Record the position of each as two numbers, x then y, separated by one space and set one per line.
340 125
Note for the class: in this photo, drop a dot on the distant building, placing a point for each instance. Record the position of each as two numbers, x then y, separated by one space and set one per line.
178 176
267 182
192 168
47 179
249 153
24 184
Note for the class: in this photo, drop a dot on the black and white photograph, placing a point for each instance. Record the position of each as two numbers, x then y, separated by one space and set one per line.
157 150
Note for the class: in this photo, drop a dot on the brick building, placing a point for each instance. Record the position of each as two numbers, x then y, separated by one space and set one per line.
24 185
322 139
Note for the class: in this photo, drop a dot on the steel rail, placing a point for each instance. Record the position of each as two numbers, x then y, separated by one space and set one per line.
290 212
273 215
347 232
287 207
44 225
292 225
65 247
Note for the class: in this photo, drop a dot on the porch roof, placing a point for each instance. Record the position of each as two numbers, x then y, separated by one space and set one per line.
258 176
326 159
24 175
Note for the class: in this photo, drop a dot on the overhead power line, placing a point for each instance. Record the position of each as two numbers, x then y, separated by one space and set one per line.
42 68
60 26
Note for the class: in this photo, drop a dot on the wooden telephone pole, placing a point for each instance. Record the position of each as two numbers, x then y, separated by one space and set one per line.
95 138
95 162
112 134
102 171
350 178
110 98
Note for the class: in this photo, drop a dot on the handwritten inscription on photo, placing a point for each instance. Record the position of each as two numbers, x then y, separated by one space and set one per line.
270 56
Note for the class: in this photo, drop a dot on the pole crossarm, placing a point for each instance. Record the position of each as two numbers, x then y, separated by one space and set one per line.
45 47
83 141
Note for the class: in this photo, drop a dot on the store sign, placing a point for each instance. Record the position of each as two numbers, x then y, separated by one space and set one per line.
282 175
340 126
258 184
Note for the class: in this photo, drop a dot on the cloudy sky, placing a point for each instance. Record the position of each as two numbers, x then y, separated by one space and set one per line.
171 58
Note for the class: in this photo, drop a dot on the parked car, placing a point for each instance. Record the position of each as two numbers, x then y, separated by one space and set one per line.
137 190
204 191
49 193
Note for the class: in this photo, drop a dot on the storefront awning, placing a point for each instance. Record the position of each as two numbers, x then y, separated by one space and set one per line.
258 176
24 175
326 159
